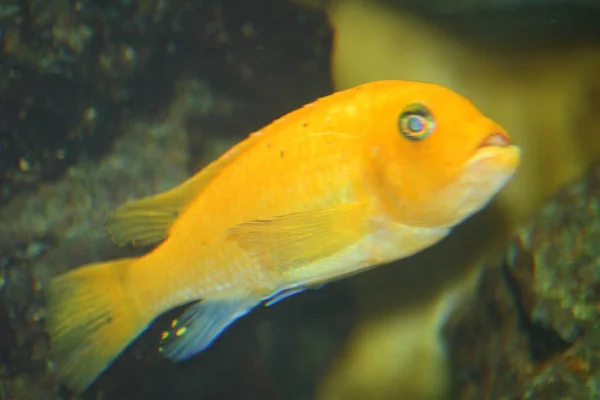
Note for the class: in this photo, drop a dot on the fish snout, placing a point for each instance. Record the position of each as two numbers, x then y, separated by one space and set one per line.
496 152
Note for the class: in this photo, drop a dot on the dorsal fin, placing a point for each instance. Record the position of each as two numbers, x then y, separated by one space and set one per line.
147 221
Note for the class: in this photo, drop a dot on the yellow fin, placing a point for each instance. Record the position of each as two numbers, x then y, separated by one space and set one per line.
90 319
285 242
147 221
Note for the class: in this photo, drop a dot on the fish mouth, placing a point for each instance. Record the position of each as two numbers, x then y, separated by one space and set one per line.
496 151
496 139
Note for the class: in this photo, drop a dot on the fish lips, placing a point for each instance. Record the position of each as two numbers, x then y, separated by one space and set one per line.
497 154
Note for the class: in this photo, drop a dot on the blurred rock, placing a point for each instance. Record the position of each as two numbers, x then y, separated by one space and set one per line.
532 332
501 25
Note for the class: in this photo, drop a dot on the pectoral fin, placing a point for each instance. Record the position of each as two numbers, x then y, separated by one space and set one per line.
288 241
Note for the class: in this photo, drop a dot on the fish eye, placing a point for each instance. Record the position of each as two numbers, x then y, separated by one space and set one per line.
416 122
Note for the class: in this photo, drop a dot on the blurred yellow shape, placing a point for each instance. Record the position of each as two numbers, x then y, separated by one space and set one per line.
548 100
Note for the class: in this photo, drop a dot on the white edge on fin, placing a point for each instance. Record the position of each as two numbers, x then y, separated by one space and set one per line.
285 293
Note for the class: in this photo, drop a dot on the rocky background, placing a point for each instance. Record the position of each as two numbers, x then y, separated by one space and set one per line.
533 332
73 71
105 101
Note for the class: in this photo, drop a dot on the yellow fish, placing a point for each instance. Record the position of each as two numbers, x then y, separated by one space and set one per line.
359 178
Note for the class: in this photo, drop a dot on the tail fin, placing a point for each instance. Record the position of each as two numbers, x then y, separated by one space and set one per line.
91 319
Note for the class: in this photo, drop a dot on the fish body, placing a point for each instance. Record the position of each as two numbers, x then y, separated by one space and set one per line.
356 179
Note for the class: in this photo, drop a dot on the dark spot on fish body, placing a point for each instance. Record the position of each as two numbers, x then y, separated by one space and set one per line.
268 145
281 153
122 275
305 124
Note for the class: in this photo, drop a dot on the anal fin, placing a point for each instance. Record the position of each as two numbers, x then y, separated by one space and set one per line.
201 324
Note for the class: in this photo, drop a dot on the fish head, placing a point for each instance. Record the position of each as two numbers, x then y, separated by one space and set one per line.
439 158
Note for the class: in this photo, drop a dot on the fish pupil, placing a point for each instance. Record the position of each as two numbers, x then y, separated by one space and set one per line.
415 123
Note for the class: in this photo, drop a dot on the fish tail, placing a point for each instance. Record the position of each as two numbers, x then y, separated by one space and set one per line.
91 318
